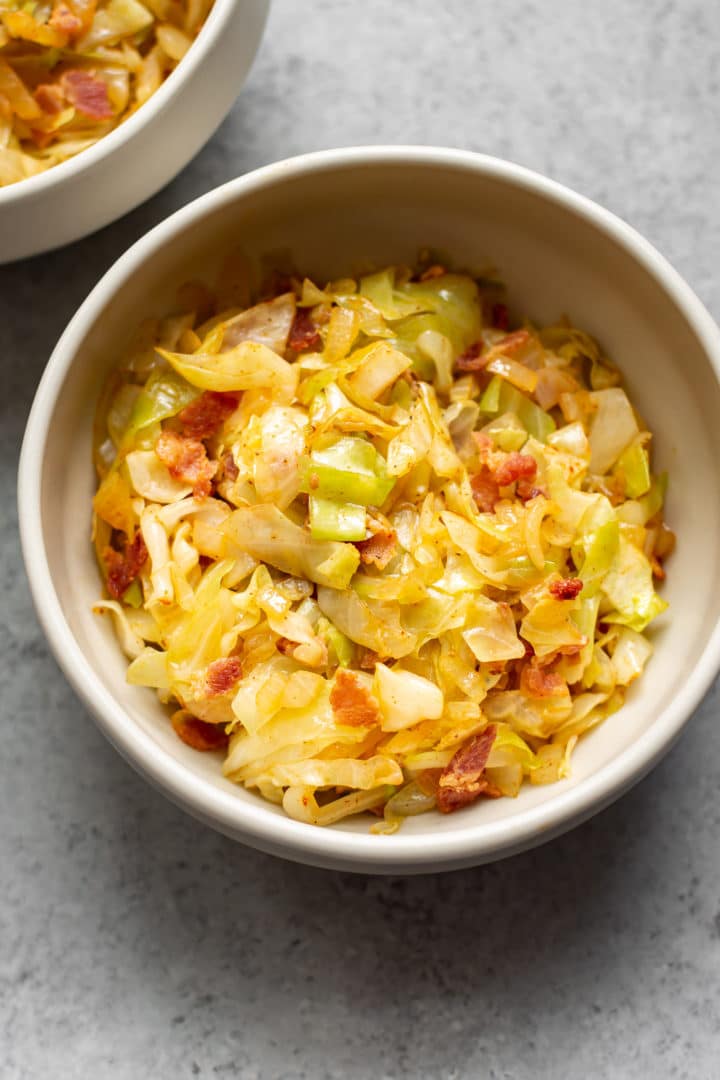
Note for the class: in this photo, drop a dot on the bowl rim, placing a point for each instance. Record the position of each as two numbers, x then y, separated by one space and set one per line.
253 821
157 103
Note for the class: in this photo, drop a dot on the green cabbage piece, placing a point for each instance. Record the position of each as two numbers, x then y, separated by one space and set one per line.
628 586
347 469
247 366
164 395
333 520
501 397
269 536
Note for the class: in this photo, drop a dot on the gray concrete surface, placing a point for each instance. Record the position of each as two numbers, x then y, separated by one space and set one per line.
135 943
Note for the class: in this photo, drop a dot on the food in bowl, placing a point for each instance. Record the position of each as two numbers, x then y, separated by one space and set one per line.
383 550
72 70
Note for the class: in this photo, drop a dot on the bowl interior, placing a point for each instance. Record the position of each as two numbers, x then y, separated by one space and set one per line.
331 220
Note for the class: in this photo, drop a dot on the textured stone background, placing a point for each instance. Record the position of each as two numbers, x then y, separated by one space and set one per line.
135 943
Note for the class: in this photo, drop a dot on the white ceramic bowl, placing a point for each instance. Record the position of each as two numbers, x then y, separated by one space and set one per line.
558 253
144 153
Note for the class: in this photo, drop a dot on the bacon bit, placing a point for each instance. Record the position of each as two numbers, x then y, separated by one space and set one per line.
510 343
286 646
472 359
65 20
526 490
222 674
378 549
500 316
485 445
304 334
186 460
497 470
566 588
88 94
564 650
434 271
514 467
485 490
198 733
124 567
203 416
462 781
50 98
41 138
492 791
351 703
538 683
230 468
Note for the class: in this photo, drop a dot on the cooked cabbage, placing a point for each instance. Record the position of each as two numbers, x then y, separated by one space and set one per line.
383 554
71 72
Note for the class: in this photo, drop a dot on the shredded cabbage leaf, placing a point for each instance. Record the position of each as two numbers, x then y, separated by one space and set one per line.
376 549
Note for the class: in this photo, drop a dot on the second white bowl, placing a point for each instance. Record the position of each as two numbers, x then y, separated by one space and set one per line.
144 153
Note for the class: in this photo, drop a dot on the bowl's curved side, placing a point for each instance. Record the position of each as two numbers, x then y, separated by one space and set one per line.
654 314
134 161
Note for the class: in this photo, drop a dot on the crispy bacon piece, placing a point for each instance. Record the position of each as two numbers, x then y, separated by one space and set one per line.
187 460
566 588
476 357
378 549
485 490
526 490
230 468
516 466
473 359
510 344
538 683
41 138
351 703
50 98
498 470
88 93
500 316
462 781
124 567
203 416
221 675
564 650
198 733
304 334
65 20
485 446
